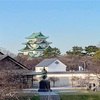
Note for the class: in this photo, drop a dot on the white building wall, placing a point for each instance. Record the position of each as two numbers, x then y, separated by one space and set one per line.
66 79
39 69
54 67
25 53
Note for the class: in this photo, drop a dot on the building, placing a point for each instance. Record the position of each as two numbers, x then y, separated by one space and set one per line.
51 65
1 53
35 45
57 71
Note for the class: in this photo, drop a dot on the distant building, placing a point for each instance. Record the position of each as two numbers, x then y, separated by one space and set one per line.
51 65
35 45
1 53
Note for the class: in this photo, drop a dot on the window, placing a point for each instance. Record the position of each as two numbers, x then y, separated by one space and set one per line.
56 62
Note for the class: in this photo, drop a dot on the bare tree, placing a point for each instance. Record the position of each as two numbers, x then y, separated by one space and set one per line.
7 52
73 61
82 82
95 69
9 79
28 61
54 80
8 83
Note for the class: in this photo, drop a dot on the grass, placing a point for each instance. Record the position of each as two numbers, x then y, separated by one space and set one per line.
81 95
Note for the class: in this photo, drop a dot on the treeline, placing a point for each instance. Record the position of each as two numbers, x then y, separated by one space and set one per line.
78 56
77 50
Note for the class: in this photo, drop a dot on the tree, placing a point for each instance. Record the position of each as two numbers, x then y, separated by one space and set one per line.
91 49
69 52
76 50
97 55
9 81
28 61
95 68
51 52
73 61
81 81
7 52
47 52
55 52
53 79
8 84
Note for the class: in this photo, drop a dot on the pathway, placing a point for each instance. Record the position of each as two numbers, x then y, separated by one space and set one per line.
51 95
48 96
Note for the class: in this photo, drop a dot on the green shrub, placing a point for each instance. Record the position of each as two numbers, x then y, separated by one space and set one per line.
80 96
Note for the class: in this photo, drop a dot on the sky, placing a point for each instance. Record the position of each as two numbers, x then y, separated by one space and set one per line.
68 23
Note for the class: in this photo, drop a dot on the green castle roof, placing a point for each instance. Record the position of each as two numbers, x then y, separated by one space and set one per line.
37 55
38 48
29 42
42 42
36 35
27 48
31 54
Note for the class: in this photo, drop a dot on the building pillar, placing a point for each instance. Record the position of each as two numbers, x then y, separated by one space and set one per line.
32 82
27 81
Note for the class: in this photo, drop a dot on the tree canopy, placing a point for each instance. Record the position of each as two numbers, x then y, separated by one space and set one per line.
97 55
91 48
51 52
76 50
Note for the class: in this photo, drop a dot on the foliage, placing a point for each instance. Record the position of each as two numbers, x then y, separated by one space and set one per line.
51 52
97 55
91 48
69 52
76 50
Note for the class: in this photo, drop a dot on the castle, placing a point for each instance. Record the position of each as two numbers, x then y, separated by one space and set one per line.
35 45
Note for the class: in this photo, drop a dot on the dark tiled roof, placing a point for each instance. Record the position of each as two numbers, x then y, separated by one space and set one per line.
26 72
46 62
1 53
2 57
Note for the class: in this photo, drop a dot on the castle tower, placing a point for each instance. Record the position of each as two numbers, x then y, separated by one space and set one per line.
35 45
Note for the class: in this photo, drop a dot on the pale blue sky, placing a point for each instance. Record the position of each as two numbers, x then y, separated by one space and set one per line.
68 23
